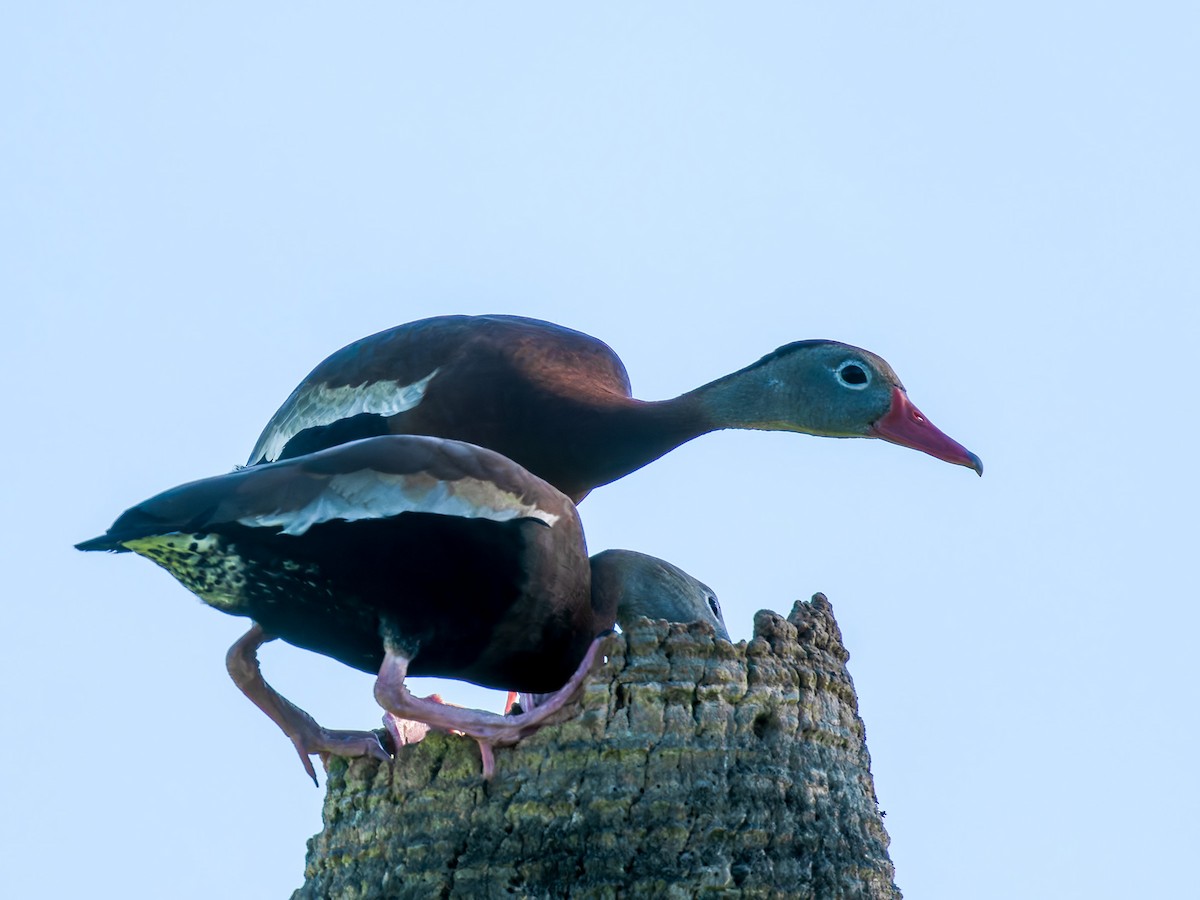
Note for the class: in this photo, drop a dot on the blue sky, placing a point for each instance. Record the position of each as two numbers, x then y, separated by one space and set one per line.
1002 201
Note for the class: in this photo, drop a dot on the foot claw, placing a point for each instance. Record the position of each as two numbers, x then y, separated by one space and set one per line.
308 766
488 757
324 743
306 735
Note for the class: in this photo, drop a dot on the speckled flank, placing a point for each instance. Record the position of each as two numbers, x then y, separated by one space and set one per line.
316 405
377 495
210 567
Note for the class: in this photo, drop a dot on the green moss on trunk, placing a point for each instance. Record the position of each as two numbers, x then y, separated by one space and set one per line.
695 767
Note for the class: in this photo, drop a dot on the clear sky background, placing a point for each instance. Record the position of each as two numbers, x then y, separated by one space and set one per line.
198 206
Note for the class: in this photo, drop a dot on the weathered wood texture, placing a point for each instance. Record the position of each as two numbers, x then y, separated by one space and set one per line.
697 767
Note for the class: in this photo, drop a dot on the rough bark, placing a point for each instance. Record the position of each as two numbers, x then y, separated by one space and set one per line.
696 767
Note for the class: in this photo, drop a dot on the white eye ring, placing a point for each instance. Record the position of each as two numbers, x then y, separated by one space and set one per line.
853 374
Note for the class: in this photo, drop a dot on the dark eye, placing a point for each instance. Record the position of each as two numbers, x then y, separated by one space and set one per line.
714 606
853 375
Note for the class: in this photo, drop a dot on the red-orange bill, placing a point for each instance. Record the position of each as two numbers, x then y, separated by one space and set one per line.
907 426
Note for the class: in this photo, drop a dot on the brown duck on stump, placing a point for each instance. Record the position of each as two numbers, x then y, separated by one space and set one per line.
405 555
558 402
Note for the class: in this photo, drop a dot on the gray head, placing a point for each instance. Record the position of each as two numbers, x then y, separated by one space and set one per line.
830 389
642 585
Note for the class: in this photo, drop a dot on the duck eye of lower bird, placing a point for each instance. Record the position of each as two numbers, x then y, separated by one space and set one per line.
714 606
852 375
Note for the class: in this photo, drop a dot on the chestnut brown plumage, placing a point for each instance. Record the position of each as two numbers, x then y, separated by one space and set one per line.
558 402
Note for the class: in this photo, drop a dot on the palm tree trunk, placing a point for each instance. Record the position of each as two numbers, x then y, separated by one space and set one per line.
695 766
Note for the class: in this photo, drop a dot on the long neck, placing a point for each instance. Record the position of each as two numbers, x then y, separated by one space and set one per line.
633 433
755 397
600 440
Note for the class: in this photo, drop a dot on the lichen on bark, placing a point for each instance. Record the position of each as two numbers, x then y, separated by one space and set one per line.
695 767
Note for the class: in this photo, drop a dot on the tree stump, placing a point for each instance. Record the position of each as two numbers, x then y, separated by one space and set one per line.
696 767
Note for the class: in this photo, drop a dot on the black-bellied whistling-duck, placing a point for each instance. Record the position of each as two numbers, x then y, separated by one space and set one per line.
558 402
404 555
642 585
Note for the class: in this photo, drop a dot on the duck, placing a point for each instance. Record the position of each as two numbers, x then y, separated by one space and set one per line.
558 402
405 555
641 586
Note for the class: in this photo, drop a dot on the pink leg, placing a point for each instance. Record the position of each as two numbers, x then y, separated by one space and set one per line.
409 731
306 735
488 729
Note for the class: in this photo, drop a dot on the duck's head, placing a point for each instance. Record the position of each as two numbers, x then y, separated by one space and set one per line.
833 389
641 585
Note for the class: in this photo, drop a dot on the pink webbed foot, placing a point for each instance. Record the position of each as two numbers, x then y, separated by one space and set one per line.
327 742
488 729
306 735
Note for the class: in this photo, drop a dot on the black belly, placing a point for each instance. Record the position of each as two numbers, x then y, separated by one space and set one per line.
440 585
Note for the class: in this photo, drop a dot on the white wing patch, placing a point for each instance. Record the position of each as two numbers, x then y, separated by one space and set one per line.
318 405
378 495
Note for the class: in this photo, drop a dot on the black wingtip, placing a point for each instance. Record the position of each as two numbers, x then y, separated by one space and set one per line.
104 542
